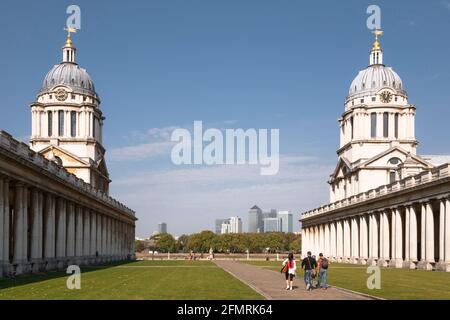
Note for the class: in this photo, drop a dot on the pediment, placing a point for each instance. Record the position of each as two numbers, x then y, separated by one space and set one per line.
68 159
393 157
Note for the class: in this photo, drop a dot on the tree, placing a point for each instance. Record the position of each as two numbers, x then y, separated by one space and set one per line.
166 243
139 245
182 242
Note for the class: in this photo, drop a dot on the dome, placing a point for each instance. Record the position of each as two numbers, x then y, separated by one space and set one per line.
373 79
70 75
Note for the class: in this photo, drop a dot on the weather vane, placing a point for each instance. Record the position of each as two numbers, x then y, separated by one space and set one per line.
70 31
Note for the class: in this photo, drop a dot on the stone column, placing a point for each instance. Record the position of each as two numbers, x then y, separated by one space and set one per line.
104 252
428 238
422 232
93 236
333 240
6 225
99 237
412 236
363 240
447 231
354 241
71 230
444 236
36 230
2 225
327 240
20 228
79 234
397 238
61 230
347 240
340 240
373 239
384 239
86 235
49 250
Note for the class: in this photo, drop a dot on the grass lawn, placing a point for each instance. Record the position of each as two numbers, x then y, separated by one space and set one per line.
395 283
149 280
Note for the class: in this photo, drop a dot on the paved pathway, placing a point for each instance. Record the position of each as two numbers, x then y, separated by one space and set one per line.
271 284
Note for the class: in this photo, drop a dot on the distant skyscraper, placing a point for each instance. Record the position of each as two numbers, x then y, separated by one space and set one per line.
272 225
287 221
270 214
255 220
162 228
219 223
235 225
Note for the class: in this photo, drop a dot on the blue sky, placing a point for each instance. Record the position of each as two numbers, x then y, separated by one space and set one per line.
162 64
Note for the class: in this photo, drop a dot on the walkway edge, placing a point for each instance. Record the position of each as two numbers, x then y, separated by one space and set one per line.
354 292
359 293
265 295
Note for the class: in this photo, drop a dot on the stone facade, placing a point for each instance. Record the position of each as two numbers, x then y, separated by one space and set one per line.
389 206
49 218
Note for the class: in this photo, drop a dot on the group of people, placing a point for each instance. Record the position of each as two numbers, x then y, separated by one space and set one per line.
313 269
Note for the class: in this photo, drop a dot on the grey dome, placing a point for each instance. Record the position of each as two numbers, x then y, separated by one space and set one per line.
375 77
71 75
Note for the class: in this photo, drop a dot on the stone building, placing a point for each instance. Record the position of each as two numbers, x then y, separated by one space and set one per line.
388 205
54 204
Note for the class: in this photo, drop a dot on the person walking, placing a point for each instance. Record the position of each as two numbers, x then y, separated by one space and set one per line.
289 267
322 265
309 264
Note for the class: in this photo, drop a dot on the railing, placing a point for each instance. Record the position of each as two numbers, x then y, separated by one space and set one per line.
434 174
23 151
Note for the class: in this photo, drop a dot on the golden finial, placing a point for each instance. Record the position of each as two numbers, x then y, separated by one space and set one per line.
69 39
376 44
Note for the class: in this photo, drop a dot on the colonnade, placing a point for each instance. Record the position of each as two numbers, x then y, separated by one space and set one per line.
42 231
413 235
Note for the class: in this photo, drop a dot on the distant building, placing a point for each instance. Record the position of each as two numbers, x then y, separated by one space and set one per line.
270 214
235 225
287 221
162 228
272 225
255 220
219 223
232 225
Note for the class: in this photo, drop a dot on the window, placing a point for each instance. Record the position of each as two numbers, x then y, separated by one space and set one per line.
60 123
374 99
93 127
385 124
351 124
362 100
394 161
50 123
392 177
373 124
73 123
396 125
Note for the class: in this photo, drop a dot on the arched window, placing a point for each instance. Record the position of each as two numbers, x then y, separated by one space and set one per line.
385 124
73 124
61 123
373 125
396 125
50 123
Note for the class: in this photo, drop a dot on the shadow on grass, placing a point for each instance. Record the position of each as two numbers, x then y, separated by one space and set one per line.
21 280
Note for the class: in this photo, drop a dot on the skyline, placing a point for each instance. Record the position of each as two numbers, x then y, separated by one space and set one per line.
269 77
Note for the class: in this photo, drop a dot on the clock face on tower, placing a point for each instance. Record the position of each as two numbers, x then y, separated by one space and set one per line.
61 95
386 97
